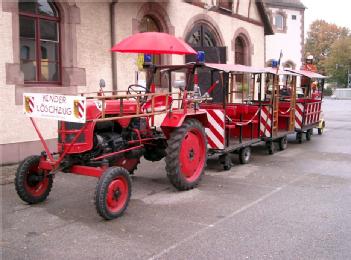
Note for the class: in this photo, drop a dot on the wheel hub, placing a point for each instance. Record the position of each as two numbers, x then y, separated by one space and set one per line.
34 180
116 194
191 154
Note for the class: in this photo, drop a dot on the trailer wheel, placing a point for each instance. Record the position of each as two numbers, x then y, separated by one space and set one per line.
226 161
299 137
245 155
270 147
283 143
321 130
186 155
33 185
309 134
113 193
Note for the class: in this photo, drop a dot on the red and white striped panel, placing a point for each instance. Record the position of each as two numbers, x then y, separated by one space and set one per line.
79 108
31 104
215 133
298 115
266 122
312 113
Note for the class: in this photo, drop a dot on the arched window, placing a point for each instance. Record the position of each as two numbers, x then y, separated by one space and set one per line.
239 51
39 34
148 24
201 36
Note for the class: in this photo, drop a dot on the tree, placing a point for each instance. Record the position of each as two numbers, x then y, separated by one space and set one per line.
320 38
339 61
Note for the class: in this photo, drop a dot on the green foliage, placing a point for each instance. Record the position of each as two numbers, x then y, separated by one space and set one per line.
320 39
328 91
339 61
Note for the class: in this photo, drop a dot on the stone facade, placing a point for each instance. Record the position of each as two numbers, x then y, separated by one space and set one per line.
85 42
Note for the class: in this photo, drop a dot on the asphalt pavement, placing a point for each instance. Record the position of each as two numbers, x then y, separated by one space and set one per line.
295 204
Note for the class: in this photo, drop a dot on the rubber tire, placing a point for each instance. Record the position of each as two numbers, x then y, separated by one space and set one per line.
227 162
283 143
101 192
299 137
309 134
245 155
21 173
271 147
321 130
172 158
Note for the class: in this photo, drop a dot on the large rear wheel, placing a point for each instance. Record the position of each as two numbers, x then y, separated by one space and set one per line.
113 193
186 155
33 184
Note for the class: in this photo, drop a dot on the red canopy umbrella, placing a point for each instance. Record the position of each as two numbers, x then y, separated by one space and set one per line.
153 43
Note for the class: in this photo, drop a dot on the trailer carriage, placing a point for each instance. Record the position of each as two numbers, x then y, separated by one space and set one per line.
234 122
278 108
308 112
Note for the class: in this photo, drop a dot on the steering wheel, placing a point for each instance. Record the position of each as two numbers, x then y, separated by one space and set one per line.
138 89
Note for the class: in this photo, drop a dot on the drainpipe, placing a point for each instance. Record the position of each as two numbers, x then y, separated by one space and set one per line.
113 42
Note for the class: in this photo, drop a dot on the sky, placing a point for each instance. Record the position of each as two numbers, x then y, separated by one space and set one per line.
332 11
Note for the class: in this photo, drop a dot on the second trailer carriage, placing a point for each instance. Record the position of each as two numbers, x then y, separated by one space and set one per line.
308 112
278 108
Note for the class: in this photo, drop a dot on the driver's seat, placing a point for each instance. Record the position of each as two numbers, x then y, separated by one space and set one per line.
159 105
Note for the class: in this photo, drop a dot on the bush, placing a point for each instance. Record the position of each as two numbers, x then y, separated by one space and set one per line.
328 91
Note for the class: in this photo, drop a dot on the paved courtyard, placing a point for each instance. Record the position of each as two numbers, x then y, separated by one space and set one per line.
295 204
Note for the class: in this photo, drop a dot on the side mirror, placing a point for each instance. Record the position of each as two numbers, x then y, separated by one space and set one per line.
102 83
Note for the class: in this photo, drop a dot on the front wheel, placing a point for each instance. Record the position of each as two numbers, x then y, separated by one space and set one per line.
186 155
113 193
33 184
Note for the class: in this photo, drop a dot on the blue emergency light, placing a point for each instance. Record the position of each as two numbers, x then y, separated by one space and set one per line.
274 63
200 56
147 59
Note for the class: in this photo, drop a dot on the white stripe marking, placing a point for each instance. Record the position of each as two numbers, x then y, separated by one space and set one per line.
215 125
219 113
214 139
192 237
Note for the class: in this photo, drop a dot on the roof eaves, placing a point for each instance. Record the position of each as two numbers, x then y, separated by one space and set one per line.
268 29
